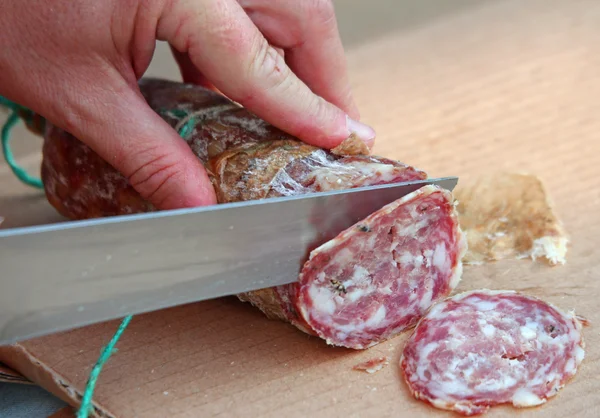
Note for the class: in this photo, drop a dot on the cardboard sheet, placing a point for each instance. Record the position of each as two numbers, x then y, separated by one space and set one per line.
501 85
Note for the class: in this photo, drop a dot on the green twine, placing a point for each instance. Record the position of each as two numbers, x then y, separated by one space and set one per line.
7 103
109 349
12 120
86 401
187 127
4 102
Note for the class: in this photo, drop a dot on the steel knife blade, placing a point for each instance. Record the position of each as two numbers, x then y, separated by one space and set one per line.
67 275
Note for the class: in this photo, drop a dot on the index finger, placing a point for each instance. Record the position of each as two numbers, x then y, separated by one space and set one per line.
308 32
226 46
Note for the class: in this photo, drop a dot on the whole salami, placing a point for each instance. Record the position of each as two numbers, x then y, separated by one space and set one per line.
483 348
369 283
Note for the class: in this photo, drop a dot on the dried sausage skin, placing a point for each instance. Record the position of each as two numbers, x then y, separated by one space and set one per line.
248 159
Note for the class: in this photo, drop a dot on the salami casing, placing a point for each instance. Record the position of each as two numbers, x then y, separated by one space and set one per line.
483 348
510 215
365 285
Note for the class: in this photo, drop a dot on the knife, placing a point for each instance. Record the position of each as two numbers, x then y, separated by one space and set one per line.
67 275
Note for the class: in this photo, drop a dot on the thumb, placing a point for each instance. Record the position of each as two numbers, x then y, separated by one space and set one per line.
120 126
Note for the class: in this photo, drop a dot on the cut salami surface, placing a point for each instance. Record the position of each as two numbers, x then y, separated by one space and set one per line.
379 277
369 283
484 348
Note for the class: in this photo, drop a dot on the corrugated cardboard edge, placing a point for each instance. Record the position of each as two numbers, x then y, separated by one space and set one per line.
10 376
17 358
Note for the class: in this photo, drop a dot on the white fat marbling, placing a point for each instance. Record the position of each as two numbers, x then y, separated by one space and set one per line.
374 321
528 333
323 299
488 330
441 260
425 301
524 397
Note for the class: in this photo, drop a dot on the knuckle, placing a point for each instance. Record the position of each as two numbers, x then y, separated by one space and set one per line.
77 115
71 119
227 33
268 66
180 27
179 32
231 38
155 177
266 72
321 111
322 11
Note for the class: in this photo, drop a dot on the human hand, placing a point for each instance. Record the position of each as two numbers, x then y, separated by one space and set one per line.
77 63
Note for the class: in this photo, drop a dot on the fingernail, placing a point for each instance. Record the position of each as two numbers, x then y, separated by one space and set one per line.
363 132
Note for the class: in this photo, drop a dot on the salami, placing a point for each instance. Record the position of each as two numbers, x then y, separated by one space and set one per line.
379 277
369 283
483 348
373 365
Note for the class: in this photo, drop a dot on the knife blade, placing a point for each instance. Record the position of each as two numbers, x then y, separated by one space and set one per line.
71 274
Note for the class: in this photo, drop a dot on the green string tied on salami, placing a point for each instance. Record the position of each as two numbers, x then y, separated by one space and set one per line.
13 119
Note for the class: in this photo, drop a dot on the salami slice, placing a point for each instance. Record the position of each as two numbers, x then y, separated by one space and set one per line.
365 285
373 365
483 348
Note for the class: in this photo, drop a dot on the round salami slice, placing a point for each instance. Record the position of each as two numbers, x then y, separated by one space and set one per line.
484 348
379 277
